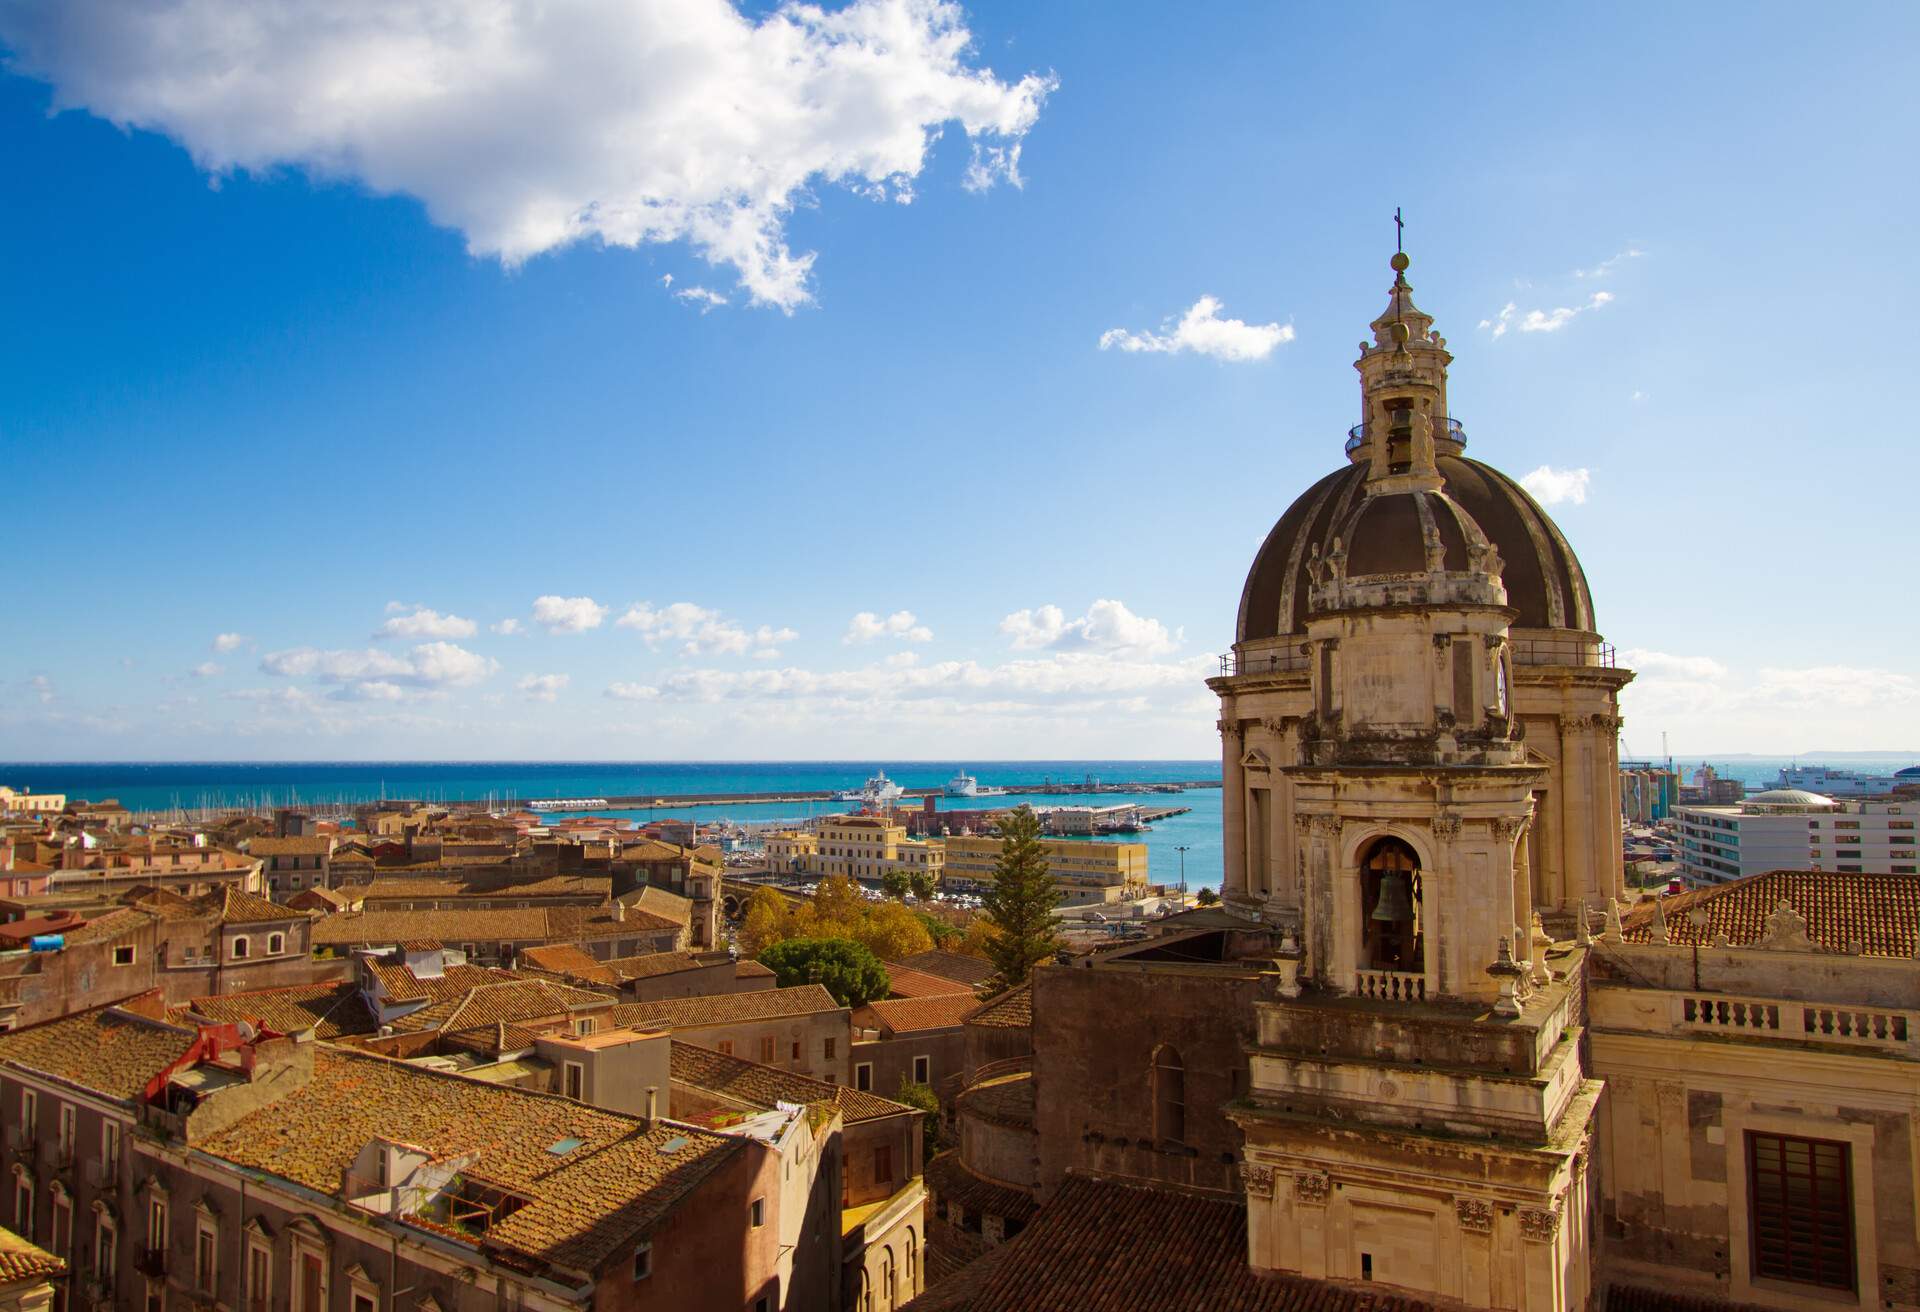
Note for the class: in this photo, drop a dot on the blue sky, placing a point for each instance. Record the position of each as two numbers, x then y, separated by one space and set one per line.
399 320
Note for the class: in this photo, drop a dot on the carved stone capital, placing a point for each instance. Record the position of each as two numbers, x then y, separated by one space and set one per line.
1229 729
1581 1156
1504 829
1276 723
1327 825
1475 1215
1541 1225
1258 1178
1302 822
1446 826
1312 1189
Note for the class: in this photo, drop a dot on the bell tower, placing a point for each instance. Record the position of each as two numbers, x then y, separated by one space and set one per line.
1414 992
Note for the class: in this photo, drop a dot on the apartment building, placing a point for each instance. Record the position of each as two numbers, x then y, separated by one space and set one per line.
1791 829
1086 873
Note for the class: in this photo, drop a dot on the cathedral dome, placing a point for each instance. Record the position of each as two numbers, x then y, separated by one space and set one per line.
1386 534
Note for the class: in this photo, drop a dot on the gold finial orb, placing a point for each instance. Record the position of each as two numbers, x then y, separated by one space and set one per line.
1400 334
1399 261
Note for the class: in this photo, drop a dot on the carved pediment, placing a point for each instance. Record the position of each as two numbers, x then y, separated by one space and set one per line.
1255 759
1787 931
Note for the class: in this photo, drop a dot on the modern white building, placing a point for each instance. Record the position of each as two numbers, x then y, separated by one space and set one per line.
1791 829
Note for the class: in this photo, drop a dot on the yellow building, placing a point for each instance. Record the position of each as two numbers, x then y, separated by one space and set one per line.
857 846
1085 873
13 799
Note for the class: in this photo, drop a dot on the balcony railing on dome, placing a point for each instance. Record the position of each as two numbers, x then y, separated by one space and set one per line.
1445 429
1563 651
1275 660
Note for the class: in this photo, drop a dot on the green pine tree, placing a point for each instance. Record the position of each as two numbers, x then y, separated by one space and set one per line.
1021 903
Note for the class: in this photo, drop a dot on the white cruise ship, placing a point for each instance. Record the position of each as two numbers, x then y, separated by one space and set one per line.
965 785
1834 783
878 791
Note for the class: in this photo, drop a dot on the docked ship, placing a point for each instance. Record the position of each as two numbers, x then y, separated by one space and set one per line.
965 785
1835 783
877 791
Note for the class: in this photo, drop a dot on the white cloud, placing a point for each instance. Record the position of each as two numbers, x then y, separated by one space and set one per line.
530 126
542 687
1083 681
1712 705
1107 626
632 692
700 296
1649 664
228 641
419 622
429 665
991 164
1639 395
506 627
43 688
1552 486
1606 267
1541 321
701 631
568 614
902 624
207 670
1202 331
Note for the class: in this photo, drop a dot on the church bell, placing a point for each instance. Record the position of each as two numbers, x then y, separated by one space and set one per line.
1396 897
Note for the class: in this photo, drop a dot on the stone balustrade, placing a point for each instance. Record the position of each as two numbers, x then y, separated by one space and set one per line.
1390 985
1777 1019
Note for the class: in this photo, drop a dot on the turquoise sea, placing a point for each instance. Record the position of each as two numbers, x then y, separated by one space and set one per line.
154 786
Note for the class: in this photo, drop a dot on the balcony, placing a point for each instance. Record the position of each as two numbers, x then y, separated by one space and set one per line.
1273 660
1445 429
1563 651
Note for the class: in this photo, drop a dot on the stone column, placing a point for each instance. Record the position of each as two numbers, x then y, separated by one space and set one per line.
1233 811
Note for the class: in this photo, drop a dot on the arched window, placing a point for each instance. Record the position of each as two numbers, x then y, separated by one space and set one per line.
239 947
1390 920
1169 1095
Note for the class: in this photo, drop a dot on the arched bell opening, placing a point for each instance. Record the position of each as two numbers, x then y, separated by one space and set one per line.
1392 926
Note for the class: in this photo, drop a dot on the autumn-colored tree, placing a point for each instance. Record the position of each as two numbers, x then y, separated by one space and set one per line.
973 943
838 901
768 921
1021 901
892 931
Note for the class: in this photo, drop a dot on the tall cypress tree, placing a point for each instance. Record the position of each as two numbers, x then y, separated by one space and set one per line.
1021 903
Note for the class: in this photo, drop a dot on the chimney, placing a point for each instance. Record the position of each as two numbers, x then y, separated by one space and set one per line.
619 909
653 1104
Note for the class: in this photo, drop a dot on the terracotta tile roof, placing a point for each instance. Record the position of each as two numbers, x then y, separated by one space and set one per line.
763 1086
487 884
333 897
661 902
399 983
1007 1100
747 968
21 1261
320 846
728 1008
376 927
913 1015
1122 1248
951 965
116 924
111 1052
1010 1010
1875 914
246 909
329 1010
507 1001
906 982
581 1207
949 1177
653 964
565 959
